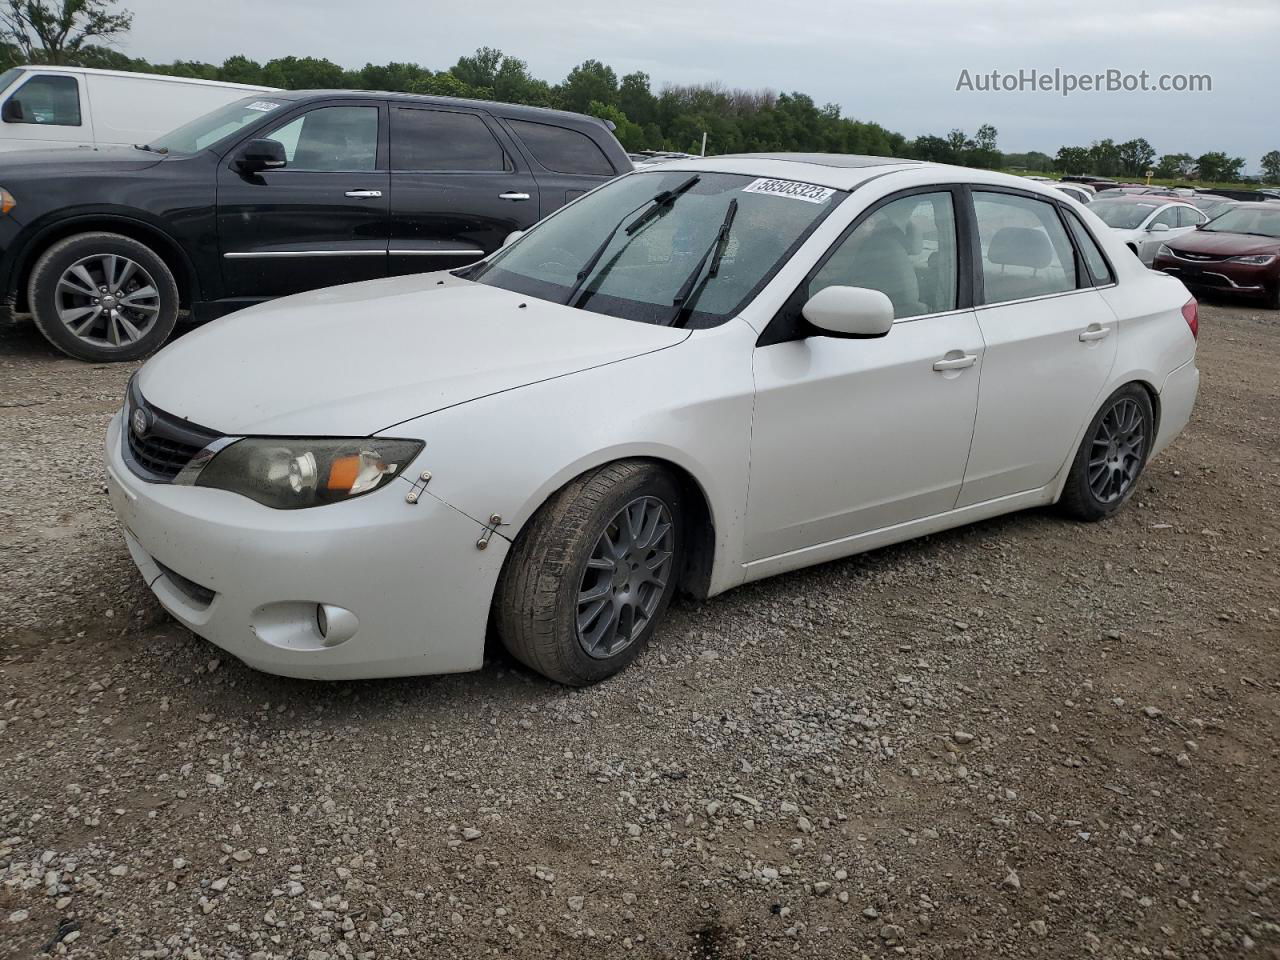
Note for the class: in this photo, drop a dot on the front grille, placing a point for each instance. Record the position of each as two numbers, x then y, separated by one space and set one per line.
1200 257
160 455
165 445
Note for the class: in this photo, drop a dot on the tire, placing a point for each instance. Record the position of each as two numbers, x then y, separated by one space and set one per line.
1115 479
538 604
135 314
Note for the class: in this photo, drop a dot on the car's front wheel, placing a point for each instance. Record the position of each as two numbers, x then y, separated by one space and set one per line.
1112 455
103 297
591 575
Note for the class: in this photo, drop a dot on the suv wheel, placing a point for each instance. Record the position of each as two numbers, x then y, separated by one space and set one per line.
103 297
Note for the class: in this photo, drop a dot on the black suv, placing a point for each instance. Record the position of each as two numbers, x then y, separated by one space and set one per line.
272 195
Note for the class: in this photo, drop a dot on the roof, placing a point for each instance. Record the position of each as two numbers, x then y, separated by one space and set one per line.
838 171
162 77
512 110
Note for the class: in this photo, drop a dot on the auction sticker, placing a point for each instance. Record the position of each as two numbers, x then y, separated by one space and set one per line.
262 106
808 192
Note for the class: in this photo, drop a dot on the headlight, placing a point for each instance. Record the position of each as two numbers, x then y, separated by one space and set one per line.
288 474
1258 260
1163 250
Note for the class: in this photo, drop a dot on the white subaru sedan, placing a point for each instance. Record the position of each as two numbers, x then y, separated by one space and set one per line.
688 379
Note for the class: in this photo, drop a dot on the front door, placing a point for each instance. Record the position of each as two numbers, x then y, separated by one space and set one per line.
1051 341
320 220
851 436
47 110
456 190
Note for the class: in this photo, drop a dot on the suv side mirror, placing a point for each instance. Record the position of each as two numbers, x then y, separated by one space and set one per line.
512 237
11 112
261 155
850 312
1158 228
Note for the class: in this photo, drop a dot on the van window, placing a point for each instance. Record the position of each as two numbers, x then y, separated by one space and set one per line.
46 99
563 150
443 140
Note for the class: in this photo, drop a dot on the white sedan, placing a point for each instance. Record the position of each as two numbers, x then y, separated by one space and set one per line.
690 378
1142 222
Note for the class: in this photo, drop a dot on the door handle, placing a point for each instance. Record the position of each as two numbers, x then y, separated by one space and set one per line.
1095 332
513 195
364 194
955 363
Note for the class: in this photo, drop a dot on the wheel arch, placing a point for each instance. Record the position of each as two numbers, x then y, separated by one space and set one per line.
1143 379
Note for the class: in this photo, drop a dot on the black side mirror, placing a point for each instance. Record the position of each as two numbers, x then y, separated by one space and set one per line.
11 112
261 155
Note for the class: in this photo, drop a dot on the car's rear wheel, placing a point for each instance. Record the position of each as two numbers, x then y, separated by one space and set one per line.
591 575
103 297
1112 455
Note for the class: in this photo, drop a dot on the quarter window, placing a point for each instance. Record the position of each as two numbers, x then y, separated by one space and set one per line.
443 140
331 138
1168 216
1025 249
906 250
49 99
563 150
1094 261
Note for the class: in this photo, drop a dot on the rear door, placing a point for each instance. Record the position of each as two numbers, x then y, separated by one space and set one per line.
457 187
320 220
567 162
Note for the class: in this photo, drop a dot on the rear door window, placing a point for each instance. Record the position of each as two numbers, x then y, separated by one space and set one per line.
562 150
443 140
47 99
1025 249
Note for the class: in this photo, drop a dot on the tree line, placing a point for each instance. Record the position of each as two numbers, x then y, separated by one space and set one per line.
675 117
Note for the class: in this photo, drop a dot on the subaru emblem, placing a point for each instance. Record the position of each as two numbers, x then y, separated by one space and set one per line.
139 421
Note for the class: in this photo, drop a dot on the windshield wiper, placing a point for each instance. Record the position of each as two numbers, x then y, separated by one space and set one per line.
150 149
692 286
662 201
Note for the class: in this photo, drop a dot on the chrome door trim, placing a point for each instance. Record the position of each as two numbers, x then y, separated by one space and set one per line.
436 253
304 253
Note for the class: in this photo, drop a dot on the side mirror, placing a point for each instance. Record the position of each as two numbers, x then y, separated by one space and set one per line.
850 312
1158 228
11 112
512 237
261 155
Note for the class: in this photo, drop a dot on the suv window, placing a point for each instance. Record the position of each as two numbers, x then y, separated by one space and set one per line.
1025 249
49 99
563 150
443 140
331 138
1089 249
906 250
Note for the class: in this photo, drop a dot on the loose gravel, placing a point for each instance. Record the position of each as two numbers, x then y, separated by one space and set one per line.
1027 738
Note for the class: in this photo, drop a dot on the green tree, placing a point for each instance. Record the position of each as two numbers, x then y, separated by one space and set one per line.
1136 156
1073 160
1175 166
630 135
590 80
302 73
480 69
1104 156
635 98
1271 166
240 69
1217 166
48 31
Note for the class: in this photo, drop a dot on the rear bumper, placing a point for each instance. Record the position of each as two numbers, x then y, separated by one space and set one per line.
249 578
1177 398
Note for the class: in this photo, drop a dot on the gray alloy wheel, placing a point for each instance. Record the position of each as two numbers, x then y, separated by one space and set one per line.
1119 450
107 300
625 578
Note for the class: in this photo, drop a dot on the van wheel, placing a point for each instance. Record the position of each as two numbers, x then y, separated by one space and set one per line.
1111 457
591 575
103 297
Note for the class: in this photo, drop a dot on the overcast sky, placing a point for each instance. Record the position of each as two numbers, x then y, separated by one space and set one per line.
897 63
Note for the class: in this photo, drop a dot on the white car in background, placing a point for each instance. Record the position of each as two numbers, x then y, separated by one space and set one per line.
689 378
1142 221
1079 192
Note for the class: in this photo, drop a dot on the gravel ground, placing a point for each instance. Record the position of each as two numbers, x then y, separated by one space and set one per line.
1027 738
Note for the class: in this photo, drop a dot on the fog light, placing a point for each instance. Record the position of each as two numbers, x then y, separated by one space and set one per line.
336 624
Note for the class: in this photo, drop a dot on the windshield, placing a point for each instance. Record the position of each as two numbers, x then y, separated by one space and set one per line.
1121 214
644 273
208 129
1254 220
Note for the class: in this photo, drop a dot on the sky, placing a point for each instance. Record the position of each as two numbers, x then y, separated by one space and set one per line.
896 63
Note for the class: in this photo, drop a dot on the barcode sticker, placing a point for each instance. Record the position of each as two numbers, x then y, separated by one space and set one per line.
262 106
794 189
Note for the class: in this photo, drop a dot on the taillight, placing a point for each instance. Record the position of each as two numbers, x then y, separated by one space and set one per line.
1191 313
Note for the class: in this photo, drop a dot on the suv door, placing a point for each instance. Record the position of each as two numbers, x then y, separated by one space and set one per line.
456 189
320 220
1051 341
852 435
48 110
568 162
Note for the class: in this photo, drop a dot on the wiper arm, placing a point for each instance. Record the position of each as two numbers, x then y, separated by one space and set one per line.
692 286
662 201
150 149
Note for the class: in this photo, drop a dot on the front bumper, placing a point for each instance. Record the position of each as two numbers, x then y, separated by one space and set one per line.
1242 278
248 578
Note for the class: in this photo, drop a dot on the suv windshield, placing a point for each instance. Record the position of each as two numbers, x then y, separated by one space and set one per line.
208 129
1254 220
1122 214
667 231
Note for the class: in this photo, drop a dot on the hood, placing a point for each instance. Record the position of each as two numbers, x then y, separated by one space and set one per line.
74 161
1225 244
353 360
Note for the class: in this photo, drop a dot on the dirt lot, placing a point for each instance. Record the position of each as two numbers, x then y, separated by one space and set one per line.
1028 738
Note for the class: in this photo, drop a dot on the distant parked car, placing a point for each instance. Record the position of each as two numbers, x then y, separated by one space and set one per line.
272 195
1239 251
1210 205
1076 191
653 158
1143 222
44 107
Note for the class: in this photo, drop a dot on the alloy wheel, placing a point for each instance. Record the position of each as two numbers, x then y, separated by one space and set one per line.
626 576
1118 450
107 300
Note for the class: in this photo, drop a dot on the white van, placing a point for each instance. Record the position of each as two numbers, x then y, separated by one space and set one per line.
43 107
